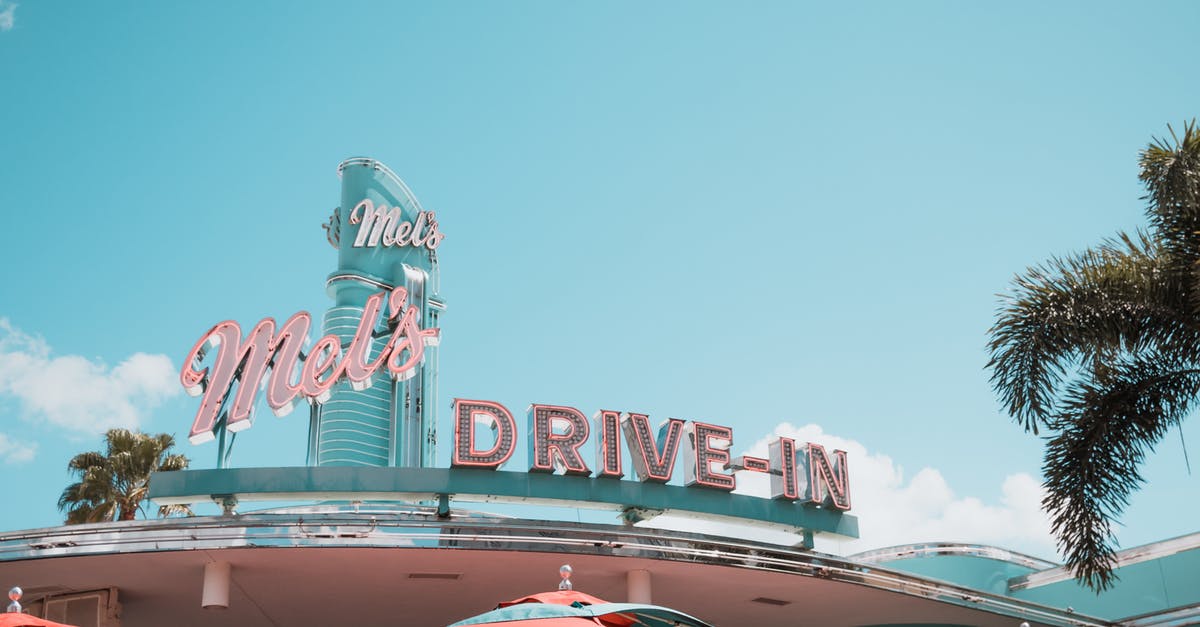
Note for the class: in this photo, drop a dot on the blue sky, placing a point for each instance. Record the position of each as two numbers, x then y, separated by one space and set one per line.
746 214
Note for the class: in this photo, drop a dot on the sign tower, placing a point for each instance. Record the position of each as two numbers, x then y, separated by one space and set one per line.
385 240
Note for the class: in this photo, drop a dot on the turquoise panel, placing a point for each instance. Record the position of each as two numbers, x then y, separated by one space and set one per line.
1147 587
364 180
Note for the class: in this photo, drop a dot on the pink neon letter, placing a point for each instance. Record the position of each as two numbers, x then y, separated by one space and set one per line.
652 462
546 447
321 359
409 336
281 391
828 483
698 467
608 445
226 338
356 367
782 453
465 454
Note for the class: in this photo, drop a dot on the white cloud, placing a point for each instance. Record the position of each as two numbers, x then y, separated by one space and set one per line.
7 9
893 510
77 393
15 452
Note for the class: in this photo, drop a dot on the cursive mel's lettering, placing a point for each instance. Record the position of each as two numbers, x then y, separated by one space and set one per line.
380 224
280 351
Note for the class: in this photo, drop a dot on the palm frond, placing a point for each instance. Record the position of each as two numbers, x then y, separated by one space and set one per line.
175 510
173 462
83 461
1102 349
1170 169
113 484
1118 297
1092 466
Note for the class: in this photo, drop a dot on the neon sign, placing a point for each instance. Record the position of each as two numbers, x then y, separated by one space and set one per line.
294 373
378 225
374 328
556 433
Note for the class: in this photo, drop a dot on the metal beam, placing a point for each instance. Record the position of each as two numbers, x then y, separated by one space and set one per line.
487 486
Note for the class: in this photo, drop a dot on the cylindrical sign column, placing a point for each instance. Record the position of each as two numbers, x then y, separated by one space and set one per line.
385 240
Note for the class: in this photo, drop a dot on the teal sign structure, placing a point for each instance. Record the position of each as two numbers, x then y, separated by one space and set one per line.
385 239
371 380
371 386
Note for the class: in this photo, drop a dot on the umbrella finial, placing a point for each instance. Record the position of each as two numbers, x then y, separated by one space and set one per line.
14 595
564 572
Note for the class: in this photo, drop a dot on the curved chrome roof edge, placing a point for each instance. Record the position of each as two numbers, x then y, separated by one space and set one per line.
374 507
379 166
1127 557
930 549
1181 617
422 529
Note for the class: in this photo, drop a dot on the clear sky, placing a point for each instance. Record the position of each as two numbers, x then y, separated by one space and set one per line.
745 213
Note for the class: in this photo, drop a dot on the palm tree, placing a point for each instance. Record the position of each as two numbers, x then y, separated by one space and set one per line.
113 484
1101 350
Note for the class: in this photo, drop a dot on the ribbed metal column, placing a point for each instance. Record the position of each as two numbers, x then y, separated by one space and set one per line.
355 424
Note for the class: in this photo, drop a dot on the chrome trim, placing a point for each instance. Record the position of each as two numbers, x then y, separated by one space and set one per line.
356 277
1128 557
379 166
383 527
928 549
1179 617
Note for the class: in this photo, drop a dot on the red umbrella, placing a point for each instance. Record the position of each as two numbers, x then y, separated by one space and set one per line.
569 598
559 597
17 619
568 608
